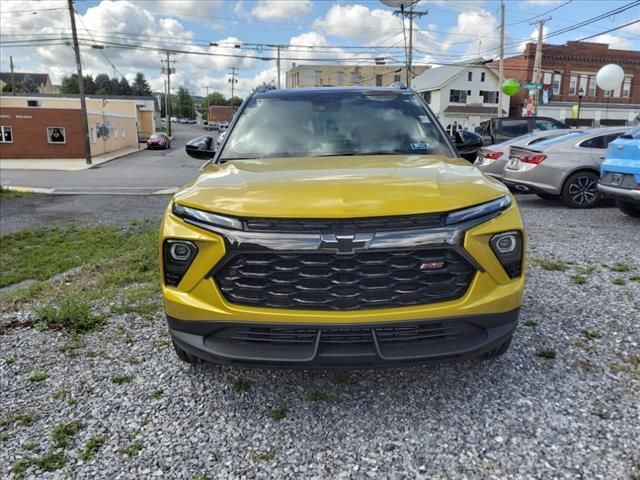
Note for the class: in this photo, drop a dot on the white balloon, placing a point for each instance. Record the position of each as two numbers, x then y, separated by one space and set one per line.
610 77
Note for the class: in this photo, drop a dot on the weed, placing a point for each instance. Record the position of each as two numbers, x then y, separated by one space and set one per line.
546 353
72 312
119 379
618 281
590 334
20 467
279 413
6 194
30 446
586 365
241 384
579 279
9 360
342 378
22 417
157 393
161 344
131 450
50 462
635 278
620 267
38 376
317 396
550 265
267 456
63 432
91 447
531 323
4 436
72 347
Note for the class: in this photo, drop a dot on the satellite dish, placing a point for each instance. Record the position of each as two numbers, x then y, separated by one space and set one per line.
399 3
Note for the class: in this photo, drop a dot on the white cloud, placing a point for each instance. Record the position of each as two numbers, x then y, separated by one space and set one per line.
477 31
281 9
358 22
616 42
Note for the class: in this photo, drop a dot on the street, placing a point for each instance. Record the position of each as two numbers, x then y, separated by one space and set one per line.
145 172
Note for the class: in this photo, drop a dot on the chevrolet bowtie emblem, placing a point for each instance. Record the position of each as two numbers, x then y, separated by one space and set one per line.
347 243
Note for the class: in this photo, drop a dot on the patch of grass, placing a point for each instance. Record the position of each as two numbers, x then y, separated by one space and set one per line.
241 384
22 417
579 279
618 281
590 334
63 432
131 450
546 353
551 265
72 312
9 360
38 376
7 194
119 379
4 436
317 396
157 393
21 466
620 267
30 446
91 447
161 344
72 348
143 309
630 365
586 365
267 456
635 278
531 323
279 413
50 462
200 476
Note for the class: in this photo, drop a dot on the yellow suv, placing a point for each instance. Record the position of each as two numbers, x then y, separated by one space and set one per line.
337 227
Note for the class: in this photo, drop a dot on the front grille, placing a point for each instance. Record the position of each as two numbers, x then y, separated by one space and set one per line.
324 281
281 336
350 225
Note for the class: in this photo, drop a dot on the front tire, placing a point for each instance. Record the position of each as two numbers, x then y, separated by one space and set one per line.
580 190
628 208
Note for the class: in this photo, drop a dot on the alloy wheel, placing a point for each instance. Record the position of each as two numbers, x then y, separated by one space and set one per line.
583 190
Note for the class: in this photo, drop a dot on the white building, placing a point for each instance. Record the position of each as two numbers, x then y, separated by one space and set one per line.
462 95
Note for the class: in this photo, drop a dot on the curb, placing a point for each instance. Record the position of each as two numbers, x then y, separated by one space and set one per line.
67 191
27 189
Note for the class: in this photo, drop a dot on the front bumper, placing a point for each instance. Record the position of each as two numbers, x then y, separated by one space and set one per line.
353 346
625 194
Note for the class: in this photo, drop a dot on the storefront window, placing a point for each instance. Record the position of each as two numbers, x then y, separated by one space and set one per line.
56 135
6 135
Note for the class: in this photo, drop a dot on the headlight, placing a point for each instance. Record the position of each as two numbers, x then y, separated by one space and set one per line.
177 256
204 219
477 211
507 246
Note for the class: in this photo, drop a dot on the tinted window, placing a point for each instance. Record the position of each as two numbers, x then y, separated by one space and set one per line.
601 141
633 133
547 125
514 128
334 124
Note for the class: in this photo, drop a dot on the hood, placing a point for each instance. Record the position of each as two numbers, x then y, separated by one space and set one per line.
339 187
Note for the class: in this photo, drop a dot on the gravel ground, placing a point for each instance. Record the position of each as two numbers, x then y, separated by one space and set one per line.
575 416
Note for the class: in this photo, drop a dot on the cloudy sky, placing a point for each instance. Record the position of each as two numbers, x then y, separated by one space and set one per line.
133 31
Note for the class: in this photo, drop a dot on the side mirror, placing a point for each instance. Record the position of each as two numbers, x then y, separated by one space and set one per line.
201 148
467 142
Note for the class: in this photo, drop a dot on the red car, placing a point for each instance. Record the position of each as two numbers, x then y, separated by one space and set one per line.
158 140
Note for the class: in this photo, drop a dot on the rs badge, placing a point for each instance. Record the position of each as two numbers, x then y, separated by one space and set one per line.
432 266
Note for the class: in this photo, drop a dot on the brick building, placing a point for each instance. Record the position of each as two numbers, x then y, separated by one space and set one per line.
568 68
50 126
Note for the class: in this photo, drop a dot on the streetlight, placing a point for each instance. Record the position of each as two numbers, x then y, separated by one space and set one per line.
580 94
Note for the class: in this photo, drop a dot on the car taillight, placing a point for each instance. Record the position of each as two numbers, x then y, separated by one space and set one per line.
533 158
492 155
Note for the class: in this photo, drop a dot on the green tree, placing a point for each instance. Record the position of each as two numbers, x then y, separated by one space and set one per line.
235 101
29 85
214 98
140 86
69 84
89 85
184 104
7 88
123 87
103 84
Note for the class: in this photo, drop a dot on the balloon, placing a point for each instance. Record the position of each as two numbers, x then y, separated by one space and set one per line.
610 77
510 86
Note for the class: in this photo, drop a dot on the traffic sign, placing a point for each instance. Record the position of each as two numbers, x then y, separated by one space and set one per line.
533 86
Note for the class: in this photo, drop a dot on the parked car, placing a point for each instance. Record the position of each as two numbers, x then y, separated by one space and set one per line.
158 140
567 166
467 143
221 137
620 172
223 125
351 235
498 130
492 159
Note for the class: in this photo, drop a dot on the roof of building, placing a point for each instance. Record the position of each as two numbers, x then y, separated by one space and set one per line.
471 109
434 78
39 78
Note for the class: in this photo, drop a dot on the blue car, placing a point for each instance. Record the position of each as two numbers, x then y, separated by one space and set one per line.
620 172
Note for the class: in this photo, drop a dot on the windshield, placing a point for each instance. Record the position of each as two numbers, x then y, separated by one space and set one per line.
155 136
327 124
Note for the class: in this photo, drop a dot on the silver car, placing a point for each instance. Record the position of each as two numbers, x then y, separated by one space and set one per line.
492 159
567 166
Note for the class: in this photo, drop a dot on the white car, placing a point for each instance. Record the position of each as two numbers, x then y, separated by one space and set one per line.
492 159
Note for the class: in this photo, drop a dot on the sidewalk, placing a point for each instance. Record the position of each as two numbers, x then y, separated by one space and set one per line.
67 164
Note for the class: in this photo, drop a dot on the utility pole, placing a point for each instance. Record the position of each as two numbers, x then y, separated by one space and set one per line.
501 67
537 69
83 102
13 82
411 14
233 80
168 69
278 65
